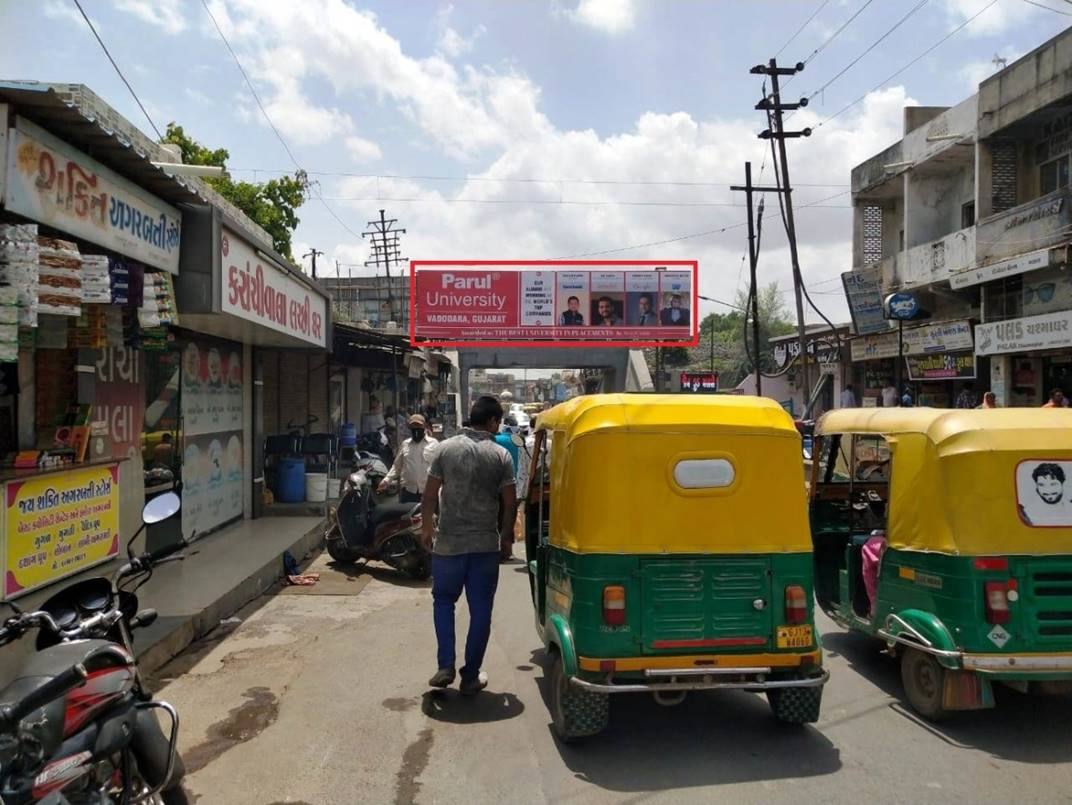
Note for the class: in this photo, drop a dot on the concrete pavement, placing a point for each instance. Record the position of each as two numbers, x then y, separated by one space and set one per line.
319 696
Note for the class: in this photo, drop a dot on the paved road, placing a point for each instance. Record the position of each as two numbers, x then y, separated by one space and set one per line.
319 697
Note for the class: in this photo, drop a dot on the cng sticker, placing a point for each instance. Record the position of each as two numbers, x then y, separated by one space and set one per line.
998 636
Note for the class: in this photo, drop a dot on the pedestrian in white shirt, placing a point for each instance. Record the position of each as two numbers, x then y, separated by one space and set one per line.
848 397
889 396
411 462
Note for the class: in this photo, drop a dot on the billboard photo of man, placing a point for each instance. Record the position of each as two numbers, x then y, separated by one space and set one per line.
642 311
674 314
607 312
572 316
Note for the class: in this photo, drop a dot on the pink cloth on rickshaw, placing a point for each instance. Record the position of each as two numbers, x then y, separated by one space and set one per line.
872 559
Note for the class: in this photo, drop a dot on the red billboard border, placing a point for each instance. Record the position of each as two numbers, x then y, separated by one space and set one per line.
415 264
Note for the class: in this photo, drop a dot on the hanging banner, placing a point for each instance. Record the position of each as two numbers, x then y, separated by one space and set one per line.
553 303
59 524
55 184
118 405
947 366
863 292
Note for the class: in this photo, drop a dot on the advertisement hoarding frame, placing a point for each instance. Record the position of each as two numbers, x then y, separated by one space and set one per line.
415 265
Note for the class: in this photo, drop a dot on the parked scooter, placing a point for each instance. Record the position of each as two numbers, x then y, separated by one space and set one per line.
77 723
377 443
389 532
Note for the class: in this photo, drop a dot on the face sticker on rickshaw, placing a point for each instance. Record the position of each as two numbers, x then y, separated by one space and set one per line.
1044 492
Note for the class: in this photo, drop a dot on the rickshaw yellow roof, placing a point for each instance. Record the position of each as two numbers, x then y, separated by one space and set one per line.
610 412
979 429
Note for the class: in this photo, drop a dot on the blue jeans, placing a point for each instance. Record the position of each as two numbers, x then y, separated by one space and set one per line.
478 574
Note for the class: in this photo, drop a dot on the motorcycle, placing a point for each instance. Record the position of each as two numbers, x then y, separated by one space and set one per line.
77 724
389 532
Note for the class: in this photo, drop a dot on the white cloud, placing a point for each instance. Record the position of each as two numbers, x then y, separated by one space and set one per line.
997 19
452 44
362 150
199 97
608 16
63 10
165 14
974 73
493 118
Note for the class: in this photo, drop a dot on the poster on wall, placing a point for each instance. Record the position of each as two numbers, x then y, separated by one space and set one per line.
553 303
118 405
59 524
212 482
211 388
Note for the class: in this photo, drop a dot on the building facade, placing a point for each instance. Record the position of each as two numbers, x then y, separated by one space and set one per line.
970 214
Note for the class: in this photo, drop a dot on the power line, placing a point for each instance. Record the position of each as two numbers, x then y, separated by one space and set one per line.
1054 10
679 238
836 33
807 22
264 112
918 58
519 180
870 47
122 77
562 202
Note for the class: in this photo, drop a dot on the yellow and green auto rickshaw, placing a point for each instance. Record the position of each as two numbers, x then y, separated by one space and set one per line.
668 552
948 535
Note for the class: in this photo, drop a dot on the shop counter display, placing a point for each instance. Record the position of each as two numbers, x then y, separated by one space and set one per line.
56 522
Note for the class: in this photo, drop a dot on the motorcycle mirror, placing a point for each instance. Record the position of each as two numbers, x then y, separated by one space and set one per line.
160 508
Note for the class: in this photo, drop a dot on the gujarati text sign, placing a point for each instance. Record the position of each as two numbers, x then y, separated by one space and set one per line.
59 524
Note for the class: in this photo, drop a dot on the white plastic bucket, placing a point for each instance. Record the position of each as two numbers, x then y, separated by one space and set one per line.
316 487
334 487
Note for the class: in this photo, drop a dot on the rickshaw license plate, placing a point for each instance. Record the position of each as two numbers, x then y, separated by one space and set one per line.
794 637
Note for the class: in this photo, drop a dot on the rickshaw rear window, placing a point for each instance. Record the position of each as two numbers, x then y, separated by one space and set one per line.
704 473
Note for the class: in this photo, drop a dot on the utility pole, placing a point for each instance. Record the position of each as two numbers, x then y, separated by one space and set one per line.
386 250
753 260
773 104
314 253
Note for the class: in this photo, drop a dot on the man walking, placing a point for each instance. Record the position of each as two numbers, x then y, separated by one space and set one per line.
471 486
411 462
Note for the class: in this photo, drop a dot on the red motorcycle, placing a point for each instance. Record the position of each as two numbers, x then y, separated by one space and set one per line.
77 724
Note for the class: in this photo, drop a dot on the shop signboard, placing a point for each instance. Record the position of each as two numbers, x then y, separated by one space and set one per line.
863 292
258 290
955 336
553 303
699 382
118 405
1004 268
944 366
58 524
824 352
52 183
1049 331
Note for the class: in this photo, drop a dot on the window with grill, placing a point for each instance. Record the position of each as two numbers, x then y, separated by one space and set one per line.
1003 176
1053 175
872 234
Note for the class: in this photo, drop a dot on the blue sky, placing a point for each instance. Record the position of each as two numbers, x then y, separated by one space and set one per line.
573 93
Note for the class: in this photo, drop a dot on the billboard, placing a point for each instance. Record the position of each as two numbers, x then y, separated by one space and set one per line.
553 303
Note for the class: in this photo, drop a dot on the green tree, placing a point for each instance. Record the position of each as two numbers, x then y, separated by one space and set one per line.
272 204
726 350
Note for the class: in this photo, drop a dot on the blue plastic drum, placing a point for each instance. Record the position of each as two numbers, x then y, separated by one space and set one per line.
291 480
348 435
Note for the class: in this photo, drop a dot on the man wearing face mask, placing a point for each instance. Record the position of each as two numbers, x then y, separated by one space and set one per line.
411 462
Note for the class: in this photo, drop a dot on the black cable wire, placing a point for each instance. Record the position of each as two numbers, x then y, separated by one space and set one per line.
122 77
807 22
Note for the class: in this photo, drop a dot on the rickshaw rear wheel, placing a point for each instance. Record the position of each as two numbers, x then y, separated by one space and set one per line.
576 713
924 683
796 705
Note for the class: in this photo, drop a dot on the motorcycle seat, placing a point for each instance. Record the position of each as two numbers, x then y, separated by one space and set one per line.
392 511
